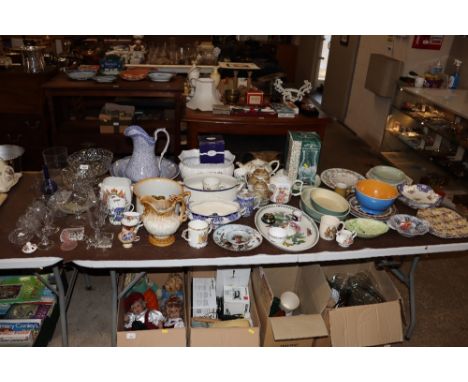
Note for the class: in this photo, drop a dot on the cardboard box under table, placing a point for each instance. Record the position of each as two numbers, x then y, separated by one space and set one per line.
306 324
367 325
152 337
222 336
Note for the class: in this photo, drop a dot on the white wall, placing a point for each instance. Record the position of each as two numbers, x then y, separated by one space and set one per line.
367 113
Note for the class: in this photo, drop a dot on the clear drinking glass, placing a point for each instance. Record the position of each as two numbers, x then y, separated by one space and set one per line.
97 214
55 158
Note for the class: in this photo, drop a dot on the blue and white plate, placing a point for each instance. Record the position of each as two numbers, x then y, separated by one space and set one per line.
356 210
215 212
408 225
418 196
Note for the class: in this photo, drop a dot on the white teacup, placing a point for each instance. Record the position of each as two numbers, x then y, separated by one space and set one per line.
345 237
131 218
211 183
197 233
277 234
329 225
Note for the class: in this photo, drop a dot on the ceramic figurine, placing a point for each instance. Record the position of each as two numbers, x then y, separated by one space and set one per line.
138 317
143 162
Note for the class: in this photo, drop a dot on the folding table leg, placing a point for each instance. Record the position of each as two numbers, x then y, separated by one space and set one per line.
408 280
113 276
62 305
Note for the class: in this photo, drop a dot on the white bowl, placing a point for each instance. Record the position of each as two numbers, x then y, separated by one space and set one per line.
160 77
228 191
155 186
190 164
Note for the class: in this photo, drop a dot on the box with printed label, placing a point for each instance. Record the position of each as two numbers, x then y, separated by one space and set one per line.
168 299
214 332
236 300
302 156
211 148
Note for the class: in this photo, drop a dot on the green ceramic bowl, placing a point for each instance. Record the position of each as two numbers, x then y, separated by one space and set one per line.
328 202
366 228
308 208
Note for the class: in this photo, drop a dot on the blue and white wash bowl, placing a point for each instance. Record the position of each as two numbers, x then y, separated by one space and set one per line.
216 212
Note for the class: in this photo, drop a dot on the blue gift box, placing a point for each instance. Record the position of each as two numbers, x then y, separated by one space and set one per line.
211 148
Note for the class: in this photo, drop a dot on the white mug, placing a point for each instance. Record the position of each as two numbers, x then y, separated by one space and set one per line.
419 82
197 233
345 237
329 225
280 187
117 206
115 185
211 183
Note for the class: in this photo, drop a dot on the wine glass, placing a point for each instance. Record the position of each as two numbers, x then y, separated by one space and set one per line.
97 214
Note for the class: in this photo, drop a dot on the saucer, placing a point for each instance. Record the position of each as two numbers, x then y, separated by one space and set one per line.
408 225
357 211
302 234
168 168
237 237
332 176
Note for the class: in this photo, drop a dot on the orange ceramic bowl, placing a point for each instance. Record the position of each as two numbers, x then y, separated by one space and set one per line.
375 196
376 189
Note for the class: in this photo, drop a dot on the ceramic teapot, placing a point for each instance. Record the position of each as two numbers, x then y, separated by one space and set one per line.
7 176
260 175
255 164
161 219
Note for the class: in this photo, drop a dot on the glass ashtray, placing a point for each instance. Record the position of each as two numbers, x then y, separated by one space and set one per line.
20 236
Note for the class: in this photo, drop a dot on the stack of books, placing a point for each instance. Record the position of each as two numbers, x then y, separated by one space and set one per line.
25 302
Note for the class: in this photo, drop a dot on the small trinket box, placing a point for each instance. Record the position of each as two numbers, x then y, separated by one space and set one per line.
254 97
211 148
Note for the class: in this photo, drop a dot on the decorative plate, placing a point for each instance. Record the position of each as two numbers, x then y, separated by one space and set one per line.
418 196
408 225
237 237
366 228
302 234
357 211
445 223
168 168
332 176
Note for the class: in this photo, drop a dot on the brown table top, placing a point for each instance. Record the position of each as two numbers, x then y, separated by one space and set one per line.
62 83
144 255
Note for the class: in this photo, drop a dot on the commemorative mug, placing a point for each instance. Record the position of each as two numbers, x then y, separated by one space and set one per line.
281 188
328 227
248 202
115 185
117 206
197 233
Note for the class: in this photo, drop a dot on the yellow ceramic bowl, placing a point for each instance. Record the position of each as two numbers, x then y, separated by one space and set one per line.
376 189
328 202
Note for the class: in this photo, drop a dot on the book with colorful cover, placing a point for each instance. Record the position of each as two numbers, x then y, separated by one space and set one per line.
29 310
18 289
19 332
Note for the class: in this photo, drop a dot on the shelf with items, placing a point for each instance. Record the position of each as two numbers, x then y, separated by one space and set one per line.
75 108
433 133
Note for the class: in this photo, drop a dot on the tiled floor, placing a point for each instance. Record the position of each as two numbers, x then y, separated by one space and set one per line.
441 279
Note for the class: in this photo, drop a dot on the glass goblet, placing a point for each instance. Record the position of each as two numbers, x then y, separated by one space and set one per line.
97 214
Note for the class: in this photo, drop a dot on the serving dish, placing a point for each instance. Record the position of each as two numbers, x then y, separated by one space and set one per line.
169 169
408 225
302 233
444 222
388 174
375 196
215 212
237 237
229 186
328 202
332 176
160 77
104 79
419 196
134 74
80 75
366 228
190 164
357 211
306 205
94 161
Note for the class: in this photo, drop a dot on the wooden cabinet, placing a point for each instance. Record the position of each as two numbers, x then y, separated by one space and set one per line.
74 108
23 119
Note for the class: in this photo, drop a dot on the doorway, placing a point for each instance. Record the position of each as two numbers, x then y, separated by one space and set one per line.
321 72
